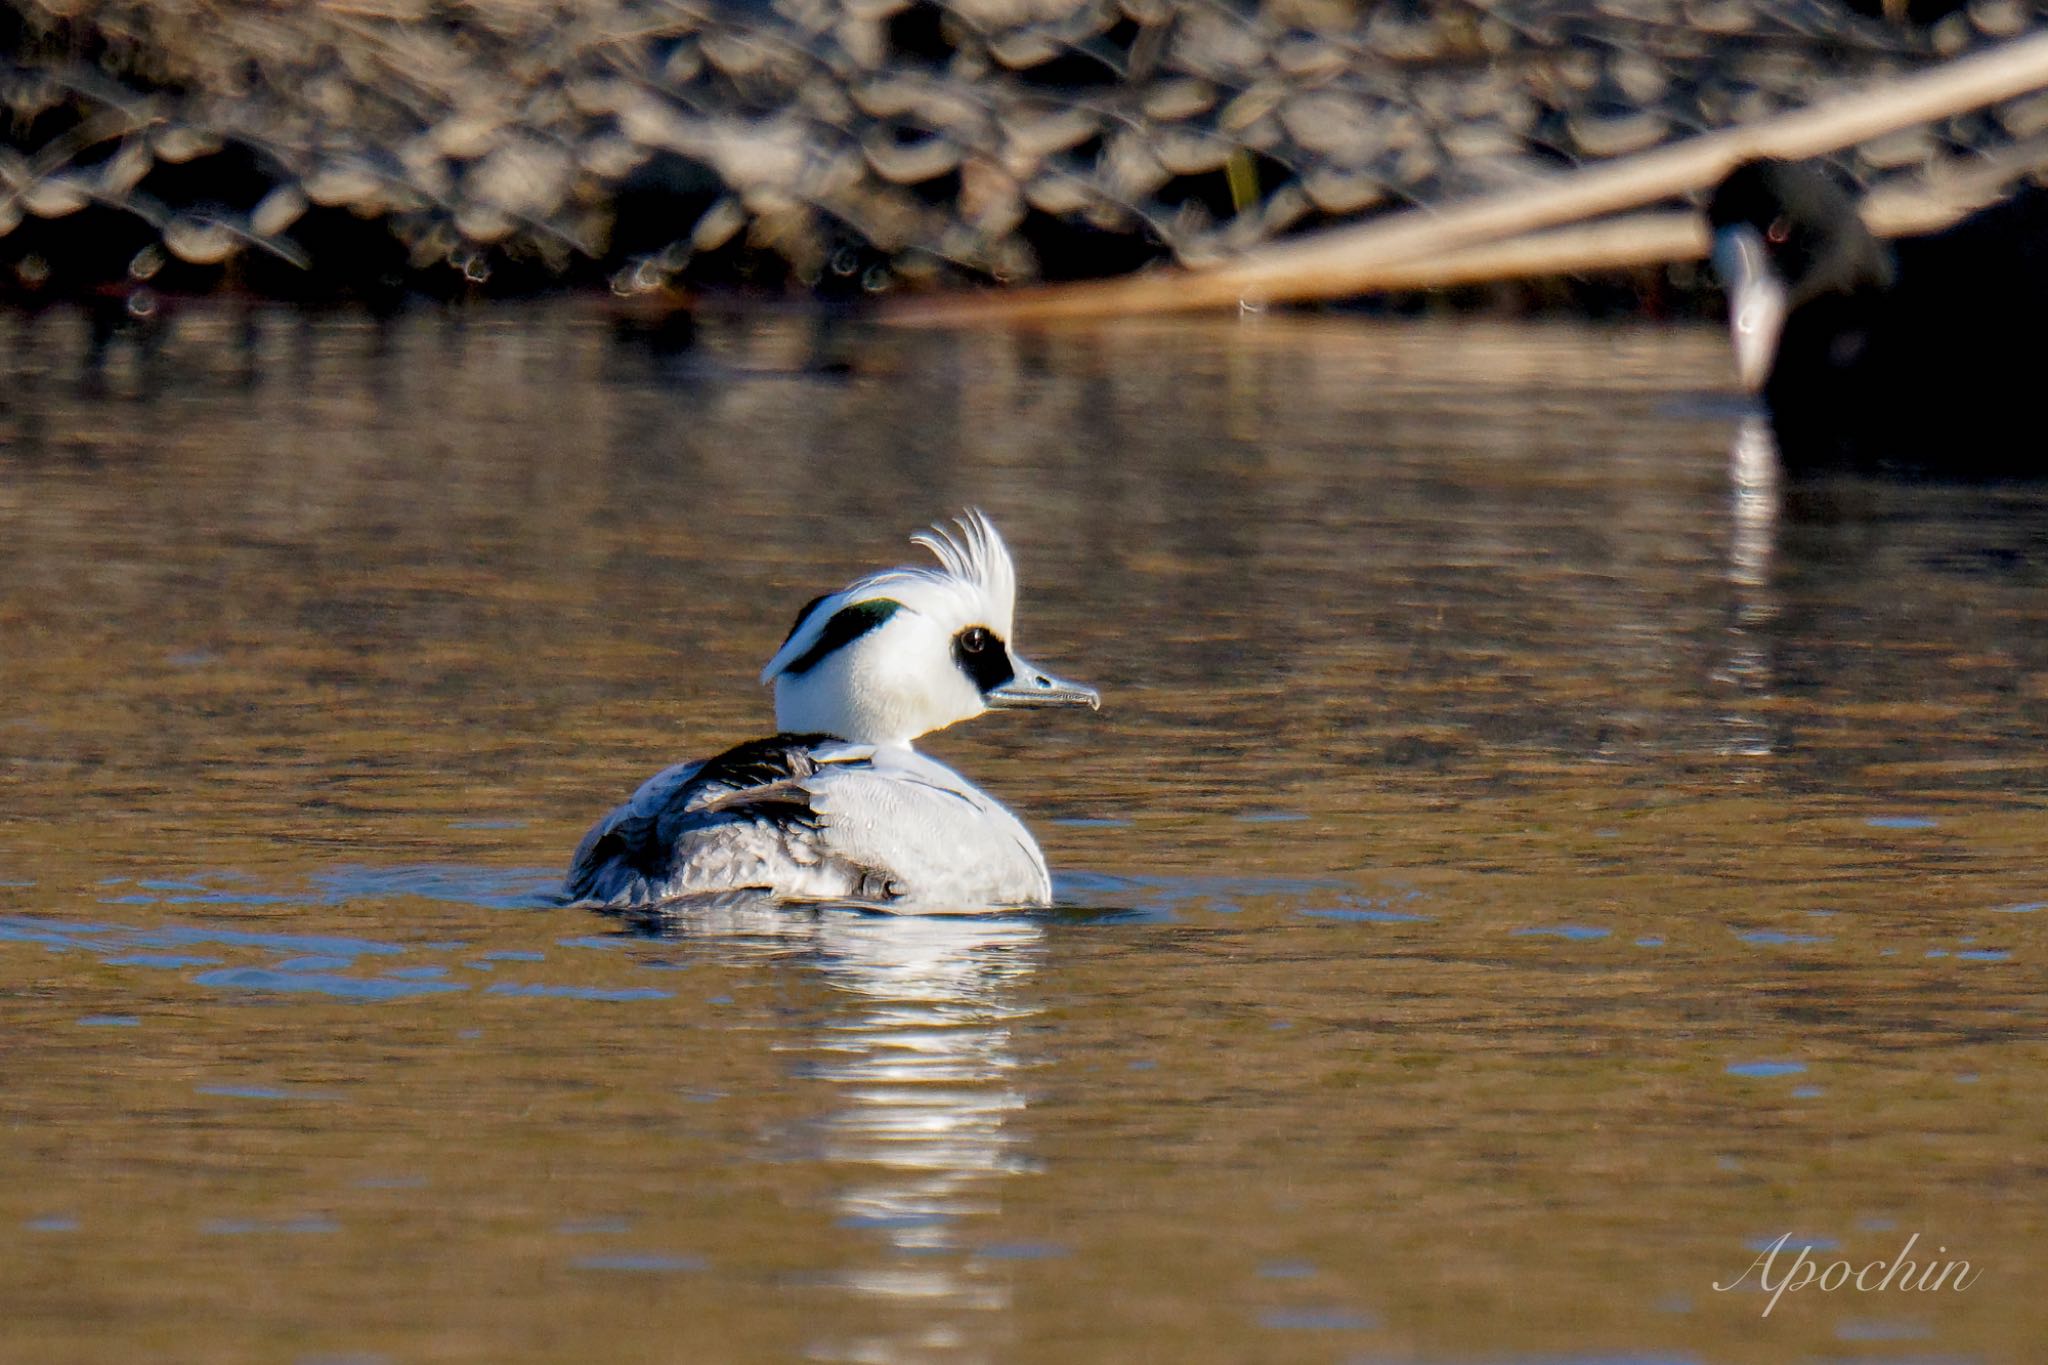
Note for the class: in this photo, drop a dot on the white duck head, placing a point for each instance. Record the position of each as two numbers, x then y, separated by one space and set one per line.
905 652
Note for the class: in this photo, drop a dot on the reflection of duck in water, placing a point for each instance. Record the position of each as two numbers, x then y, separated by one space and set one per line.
1924 353
839 806
911 1071
926 1069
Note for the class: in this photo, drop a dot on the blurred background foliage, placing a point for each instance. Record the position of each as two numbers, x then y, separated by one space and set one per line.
383 148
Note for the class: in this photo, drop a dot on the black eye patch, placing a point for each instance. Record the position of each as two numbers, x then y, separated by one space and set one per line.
847 625
983 657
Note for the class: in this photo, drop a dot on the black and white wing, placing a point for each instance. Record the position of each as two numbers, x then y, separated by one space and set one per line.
744 822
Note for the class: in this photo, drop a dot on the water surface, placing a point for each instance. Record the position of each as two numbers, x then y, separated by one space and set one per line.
1527 861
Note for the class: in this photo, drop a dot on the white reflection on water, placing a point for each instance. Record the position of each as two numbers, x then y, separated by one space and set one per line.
923 1064
1755 502
1753 472
922 1067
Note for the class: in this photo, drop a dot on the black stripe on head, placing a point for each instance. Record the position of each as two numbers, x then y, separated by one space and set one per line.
983 657
847 625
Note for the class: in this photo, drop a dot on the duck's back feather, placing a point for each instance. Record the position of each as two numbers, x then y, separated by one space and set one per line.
808 817
738 822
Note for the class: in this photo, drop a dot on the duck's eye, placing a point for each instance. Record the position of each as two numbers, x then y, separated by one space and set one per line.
1778 231
983 657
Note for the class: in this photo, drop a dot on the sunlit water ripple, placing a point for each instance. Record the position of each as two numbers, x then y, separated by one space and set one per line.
1530 857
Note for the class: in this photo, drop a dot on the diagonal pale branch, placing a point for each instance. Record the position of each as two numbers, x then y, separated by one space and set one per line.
1425 247
1661 236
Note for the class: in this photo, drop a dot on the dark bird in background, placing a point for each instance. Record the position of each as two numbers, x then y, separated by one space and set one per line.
1924 355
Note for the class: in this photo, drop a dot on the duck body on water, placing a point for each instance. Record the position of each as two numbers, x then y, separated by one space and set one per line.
839 806
1924 355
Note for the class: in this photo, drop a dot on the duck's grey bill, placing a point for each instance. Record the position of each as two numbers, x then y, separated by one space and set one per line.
1030 687
1756 301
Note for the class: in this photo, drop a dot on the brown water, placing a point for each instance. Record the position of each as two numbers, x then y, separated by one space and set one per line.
1519 870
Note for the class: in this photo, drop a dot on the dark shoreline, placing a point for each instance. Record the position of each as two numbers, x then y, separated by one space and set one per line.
386 152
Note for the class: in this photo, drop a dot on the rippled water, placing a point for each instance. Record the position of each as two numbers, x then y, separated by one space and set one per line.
1526 863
